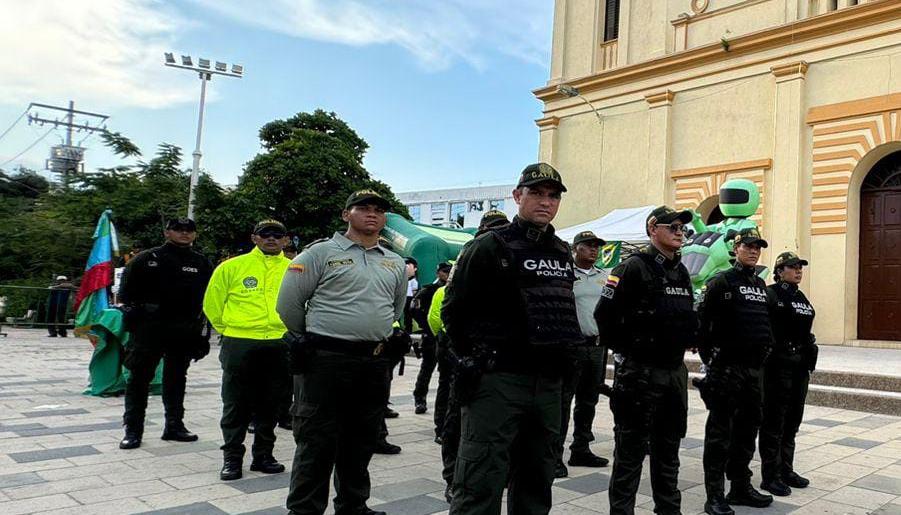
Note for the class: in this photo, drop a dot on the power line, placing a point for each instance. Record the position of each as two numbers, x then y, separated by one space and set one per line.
14 123
20 154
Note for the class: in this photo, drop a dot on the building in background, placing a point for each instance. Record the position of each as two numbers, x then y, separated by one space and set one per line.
457 207
661 101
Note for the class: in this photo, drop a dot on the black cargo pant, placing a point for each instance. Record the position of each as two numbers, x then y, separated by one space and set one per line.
586 372
785 384
253 381
450 425
509 431
652 412
339 403
426 368
142 356
442 396
731 432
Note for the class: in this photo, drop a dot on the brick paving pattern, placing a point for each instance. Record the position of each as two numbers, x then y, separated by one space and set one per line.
59 452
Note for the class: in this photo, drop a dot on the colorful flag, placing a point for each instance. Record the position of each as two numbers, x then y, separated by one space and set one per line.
610 254
92 298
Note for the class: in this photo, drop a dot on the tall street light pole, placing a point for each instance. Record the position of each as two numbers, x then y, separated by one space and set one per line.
573 92
206 72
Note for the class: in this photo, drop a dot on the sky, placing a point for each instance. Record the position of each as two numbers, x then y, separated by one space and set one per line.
441 90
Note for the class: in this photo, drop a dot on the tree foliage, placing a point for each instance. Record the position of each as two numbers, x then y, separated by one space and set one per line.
310 164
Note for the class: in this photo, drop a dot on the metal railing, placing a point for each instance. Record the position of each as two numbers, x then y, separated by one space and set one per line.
32 306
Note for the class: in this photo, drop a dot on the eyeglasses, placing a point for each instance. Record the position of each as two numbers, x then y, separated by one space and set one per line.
271 234
673 228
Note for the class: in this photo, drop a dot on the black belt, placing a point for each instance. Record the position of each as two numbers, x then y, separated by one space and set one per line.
358 348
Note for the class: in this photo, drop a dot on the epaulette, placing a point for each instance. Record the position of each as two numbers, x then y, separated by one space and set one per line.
314 242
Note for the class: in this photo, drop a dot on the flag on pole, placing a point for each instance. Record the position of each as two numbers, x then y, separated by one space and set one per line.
610 254
92 299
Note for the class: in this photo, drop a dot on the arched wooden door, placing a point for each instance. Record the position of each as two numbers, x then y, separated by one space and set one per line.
879 293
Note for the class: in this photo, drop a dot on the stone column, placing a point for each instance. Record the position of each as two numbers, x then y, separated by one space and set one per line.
558 44
787 211
622 44
547 139
659 185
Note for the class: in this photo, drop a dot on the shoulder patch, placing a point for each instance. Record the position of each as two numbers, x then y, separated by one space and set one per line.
607 292
612 281
296 268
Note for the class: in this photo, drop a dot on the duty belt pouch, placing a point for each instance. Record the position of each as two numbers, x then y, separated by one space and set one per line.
811 353
630 384
300 351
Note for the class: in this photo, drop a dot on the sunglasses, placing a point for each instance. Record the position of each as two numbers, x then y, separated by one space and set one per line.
271 234
673 228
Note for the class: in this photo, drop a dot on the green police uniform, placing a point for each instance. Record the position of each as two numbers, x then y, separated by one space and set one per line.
509 308
646 315
344 298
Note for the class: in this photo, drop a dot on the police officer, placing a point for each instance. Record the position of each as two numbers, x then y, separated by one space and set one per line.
588 360
786 374
162 293
339 300
509 309
736 336
447 365
646 315
239 303
419 311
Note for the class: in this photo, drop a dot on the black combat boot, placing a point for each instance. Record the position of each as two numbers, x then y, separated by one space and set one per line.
717 505
776 487
587 459
560 470
177 432
231 469
132 439
267 465
793 480
383 447
743 494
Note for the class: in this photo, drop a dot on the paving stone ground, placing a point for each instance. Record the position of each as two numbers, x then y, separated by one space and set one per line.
59 453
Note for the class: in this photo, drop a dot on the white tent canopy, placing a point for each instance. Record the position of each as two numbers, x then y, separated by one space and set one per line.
617 225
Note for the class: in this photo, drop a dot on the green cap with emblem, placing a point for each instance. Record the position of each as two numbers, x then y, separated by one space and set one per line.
538 173
668 215
269 224
493 218
367 197
750 236
788 259
588 237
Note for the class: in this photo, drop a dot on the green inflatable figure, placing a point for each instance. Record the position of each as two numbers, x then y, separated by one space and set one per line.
709 250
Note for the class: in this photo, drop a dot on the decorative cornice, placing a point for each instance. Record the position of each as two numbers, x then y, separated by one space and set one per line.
659 98
757 164
854 108
798 68
551 122
837 22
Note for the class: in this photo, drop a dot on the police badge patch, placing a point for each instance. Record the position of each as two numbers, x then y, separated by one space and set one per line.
250 282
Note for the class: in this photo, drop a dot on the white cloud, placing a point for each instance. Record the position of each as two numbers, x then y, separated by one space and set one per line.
437 32
106 52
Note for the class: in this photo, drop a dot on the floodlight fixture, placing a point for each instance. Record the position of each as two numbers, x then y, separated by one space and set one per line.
238 69
170 58
203 63
221 67
186 60
568 90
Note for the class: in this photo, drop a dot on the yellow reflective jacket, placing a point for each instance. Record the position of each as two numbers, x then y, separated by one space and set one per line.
435 322
241 296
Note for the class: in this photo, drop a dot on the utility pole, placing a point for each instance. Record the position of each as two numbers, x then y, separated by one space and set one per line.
205 72
68 159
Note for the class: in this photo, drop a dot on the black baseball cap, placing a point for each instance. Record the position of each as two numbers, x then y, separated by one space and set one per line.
444 266
538 173
493 218
410 260
789 259
587 236
181 223
367 197
668 215
750 236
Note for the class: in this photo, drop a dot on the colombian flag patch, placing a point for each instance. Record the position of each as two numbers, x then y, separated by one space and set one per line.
295 268
612 281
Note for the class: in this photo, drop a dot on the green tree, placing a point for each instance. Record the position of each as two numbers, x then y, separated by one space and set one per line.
313 161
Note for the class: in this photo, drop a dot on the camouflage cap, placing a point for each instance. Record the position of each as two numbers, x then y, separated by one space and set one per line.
538 173
366 197
789 259
750 236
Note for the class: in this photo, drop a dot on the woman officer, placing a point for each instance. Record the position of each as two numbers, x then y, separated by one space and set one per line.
785 377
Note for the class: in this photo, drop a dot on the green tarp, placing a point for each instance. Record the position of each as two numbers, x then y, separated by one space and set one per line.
107 375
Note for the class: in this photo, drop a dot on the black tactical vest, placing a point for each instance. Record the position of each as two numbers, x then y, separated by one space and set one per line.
792 321
541 269
748 334
663 323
